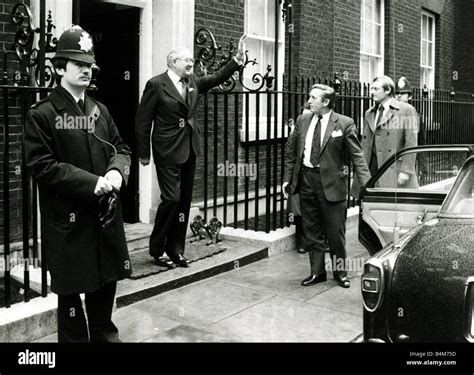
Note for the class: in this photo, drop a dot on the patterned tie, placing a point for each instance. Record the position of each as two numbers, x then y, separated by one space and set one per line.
316 144
184 90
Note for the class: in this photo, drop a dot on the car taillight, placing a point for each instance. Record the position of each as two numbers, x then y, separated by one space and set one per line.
469 309
372 285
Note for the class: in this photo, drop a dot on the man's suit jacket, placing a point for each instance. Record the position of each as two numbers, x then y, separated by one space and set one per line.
397 130
175 123
339 143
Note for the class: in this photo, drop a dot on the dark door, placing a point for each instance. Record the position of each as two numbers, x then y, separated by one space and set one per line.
115 30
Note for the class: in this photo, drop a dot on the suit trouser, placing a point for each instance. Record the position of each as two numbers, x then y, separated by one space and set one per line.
299 233
176 185
72 324
322 218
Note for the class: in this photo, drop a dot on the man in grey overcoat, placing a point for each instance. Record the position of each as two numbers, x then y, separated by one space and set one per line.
389 126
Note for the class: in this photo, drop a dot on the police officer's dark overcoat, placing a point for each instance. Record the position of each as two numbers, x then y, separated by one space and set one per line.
81 256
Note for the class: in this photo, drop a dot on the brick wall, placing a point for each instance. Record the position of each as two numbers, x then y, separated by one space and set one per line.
446 46
313 42
7 33
347 38
464 51
402 40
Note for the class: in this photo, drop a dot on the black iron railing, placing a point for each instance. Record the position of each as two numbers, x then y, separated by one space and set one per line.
245 134
19 214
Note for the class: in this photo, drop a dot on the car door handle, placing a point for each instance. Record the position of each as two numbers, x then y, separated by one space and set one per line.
421 218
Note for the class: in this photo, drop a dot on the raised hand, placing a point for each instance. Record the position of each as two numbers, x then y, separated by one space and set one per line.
240 55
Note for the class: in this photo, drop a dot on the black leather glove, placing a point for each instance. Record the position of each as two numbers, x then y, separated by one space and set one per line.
108 207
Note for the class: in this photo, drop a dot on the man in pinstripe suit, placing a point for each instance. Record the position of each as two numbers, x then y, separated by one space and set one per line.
169 102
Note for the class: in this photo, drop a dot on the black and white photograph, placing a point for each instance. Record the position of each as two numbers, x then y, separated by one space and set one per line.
251 174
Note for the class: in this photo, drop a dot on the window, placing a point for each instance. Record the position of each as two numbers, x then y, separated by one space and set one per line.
427 54
427 171
371 39
260 28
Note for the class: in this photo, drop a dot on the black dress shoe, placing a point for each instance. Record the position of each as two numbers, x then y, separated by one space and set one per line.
302 251
314 279
343 281
180 260
162 262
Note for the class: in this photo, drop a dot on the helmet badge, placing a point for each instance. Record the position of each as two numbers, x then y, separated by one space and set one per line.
85 42
401 82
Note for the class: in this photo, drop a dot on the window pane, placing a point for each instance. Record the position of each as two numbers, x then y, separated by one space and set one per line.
422 77
368 10
268 55
427 77
424 27
256 17
369 37
429 52
364 69
430 78
429 171
271 19
377 41
461 200
423 52
375 67
362 37
430 29
378 11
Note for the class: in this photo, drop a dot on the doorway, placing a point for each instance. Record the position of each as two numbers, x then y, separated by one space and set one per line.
115 31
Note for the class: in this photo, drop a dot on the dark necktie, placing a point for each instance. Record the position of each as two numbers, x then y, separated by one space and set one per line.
184 92
373 163
316 144
81 105
380 115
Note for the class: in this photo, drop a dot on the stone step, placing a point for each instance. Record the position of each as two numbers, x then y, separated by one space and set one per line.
138 235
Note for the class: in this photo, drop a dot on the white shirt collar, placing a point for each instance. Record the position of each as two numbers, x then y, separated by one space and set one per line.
174 77
386 105
83 97
326 117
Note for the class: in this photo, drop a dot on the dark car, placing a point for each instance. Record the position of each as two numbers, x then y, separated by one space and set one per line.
418 286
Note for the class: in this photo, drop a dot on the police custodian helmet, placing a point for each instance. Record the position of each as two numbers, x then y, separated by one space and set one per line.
75 44
403 86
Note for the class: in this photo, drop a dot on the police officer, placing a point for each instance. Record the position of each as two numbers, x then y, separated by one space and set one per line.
404 94
76 154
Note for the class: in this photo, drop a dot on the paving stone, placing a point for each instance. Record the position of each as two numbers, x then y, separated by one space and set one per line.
285 320
183 333
202 303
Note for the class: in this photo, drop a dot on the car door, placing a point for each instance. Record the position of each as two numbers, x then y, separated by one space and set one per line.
390 208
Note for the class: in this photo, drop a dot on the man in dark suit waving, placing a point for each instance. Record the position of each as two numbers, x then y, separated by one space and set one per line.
316 167
169 102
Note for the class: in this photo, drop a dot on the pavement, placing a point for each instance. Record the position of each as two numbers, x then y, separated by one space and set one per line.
260 302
